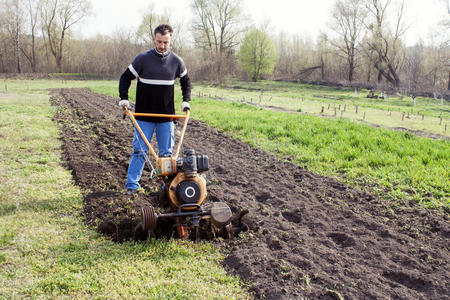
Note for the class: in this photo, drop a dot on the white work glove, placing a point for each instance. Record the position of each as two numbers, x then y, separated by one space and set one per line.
123 103
185 106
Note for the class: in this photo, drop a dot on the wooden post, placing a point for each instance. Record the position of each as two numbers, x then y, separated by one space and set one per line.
403 116
335 111
328 106
445 128
440 120
345 107
321 111
356 109
364 116
423 117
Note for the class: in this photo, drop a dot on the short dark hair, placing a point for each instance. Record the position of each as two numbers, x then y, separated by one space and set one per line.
163 29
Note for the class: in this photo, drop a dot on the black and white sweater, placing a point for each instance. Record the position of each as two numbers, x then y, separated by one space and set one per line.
156 74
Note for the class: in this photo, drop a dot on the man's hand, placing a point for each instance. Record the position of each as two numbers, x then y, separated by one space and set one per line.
185 106
123 103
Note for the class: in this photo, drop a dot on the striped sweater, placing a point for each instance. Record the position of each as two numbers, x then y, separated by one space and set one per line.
156 74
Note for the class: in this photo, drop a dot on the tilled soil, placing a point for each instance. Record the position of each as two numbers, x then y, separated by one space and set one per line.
311 236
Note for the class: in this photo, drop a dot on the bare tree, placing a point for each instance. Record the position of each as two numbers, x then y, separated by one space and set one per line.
12 21
297 58
28 48
322 52
384 41
150 20
446 26
217 25
348 20
447 3
414 70
57 17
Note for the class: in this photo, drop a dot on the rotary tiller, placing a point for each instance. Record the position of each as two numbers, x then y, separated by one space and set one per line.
185 188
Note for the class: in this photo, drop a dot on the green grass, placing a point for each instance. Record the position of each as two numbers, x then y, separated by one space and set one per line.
46 251
337 102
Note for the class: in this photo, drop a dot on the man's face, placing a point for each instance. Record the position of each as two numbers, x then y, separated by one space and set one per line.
162 42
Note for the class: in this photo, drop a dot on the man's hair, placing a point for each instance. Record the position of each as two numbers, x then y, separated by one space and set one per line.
163 29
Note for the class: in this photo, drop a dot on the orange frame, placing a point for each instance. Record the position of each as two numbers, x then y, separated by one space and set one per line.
183 130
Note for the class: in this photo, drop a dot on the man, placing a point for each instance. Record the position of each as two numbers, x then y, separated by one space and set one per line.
156 71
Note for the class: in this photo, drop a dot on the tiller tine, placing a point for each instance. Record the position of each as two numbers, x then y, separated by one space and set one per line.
187 216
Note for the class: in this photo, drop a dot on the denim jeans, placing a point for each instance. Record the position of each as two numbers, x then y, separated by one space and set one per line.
165 139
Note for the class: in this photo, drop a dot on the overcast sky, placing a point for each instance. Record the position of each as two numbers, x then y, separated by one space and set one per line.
307 17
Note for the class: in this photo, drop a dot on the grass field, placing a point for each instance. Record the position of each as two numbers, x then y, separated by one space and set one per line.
396 111
46 251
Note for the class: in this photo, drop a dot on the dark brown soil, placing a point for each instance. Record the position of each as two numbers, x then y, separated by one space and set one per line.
311 236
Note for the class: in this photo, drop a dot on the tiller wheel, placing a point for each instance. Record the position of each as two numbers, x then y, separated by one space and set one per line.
149 218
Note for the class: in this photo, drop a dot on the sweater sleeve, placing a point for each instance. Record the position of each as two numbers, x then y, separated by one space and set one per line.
124 83
186 87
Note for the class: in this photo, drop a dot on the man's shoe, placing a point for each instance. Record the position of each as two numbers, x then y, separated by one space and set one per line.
130 191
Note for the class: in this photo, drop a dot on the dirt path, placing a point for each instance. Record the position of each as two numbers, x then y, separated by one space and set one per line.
312 236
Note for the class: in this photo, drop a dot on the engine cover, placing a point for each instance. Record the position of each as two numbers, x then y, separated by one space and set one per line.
187 190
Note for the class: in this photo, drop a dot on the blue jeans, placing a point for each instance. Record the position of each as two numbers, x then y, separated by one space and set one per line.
165 138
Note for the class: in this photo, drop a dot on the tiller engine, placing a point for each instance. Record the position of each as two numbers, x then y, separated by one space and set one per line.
185 187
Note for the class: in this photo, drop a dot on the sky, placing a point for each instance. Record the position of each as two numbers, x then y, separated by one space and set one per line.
307 17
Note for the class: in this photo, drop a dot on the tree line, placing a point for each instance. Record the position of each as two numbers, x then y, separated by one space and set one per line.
365 44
